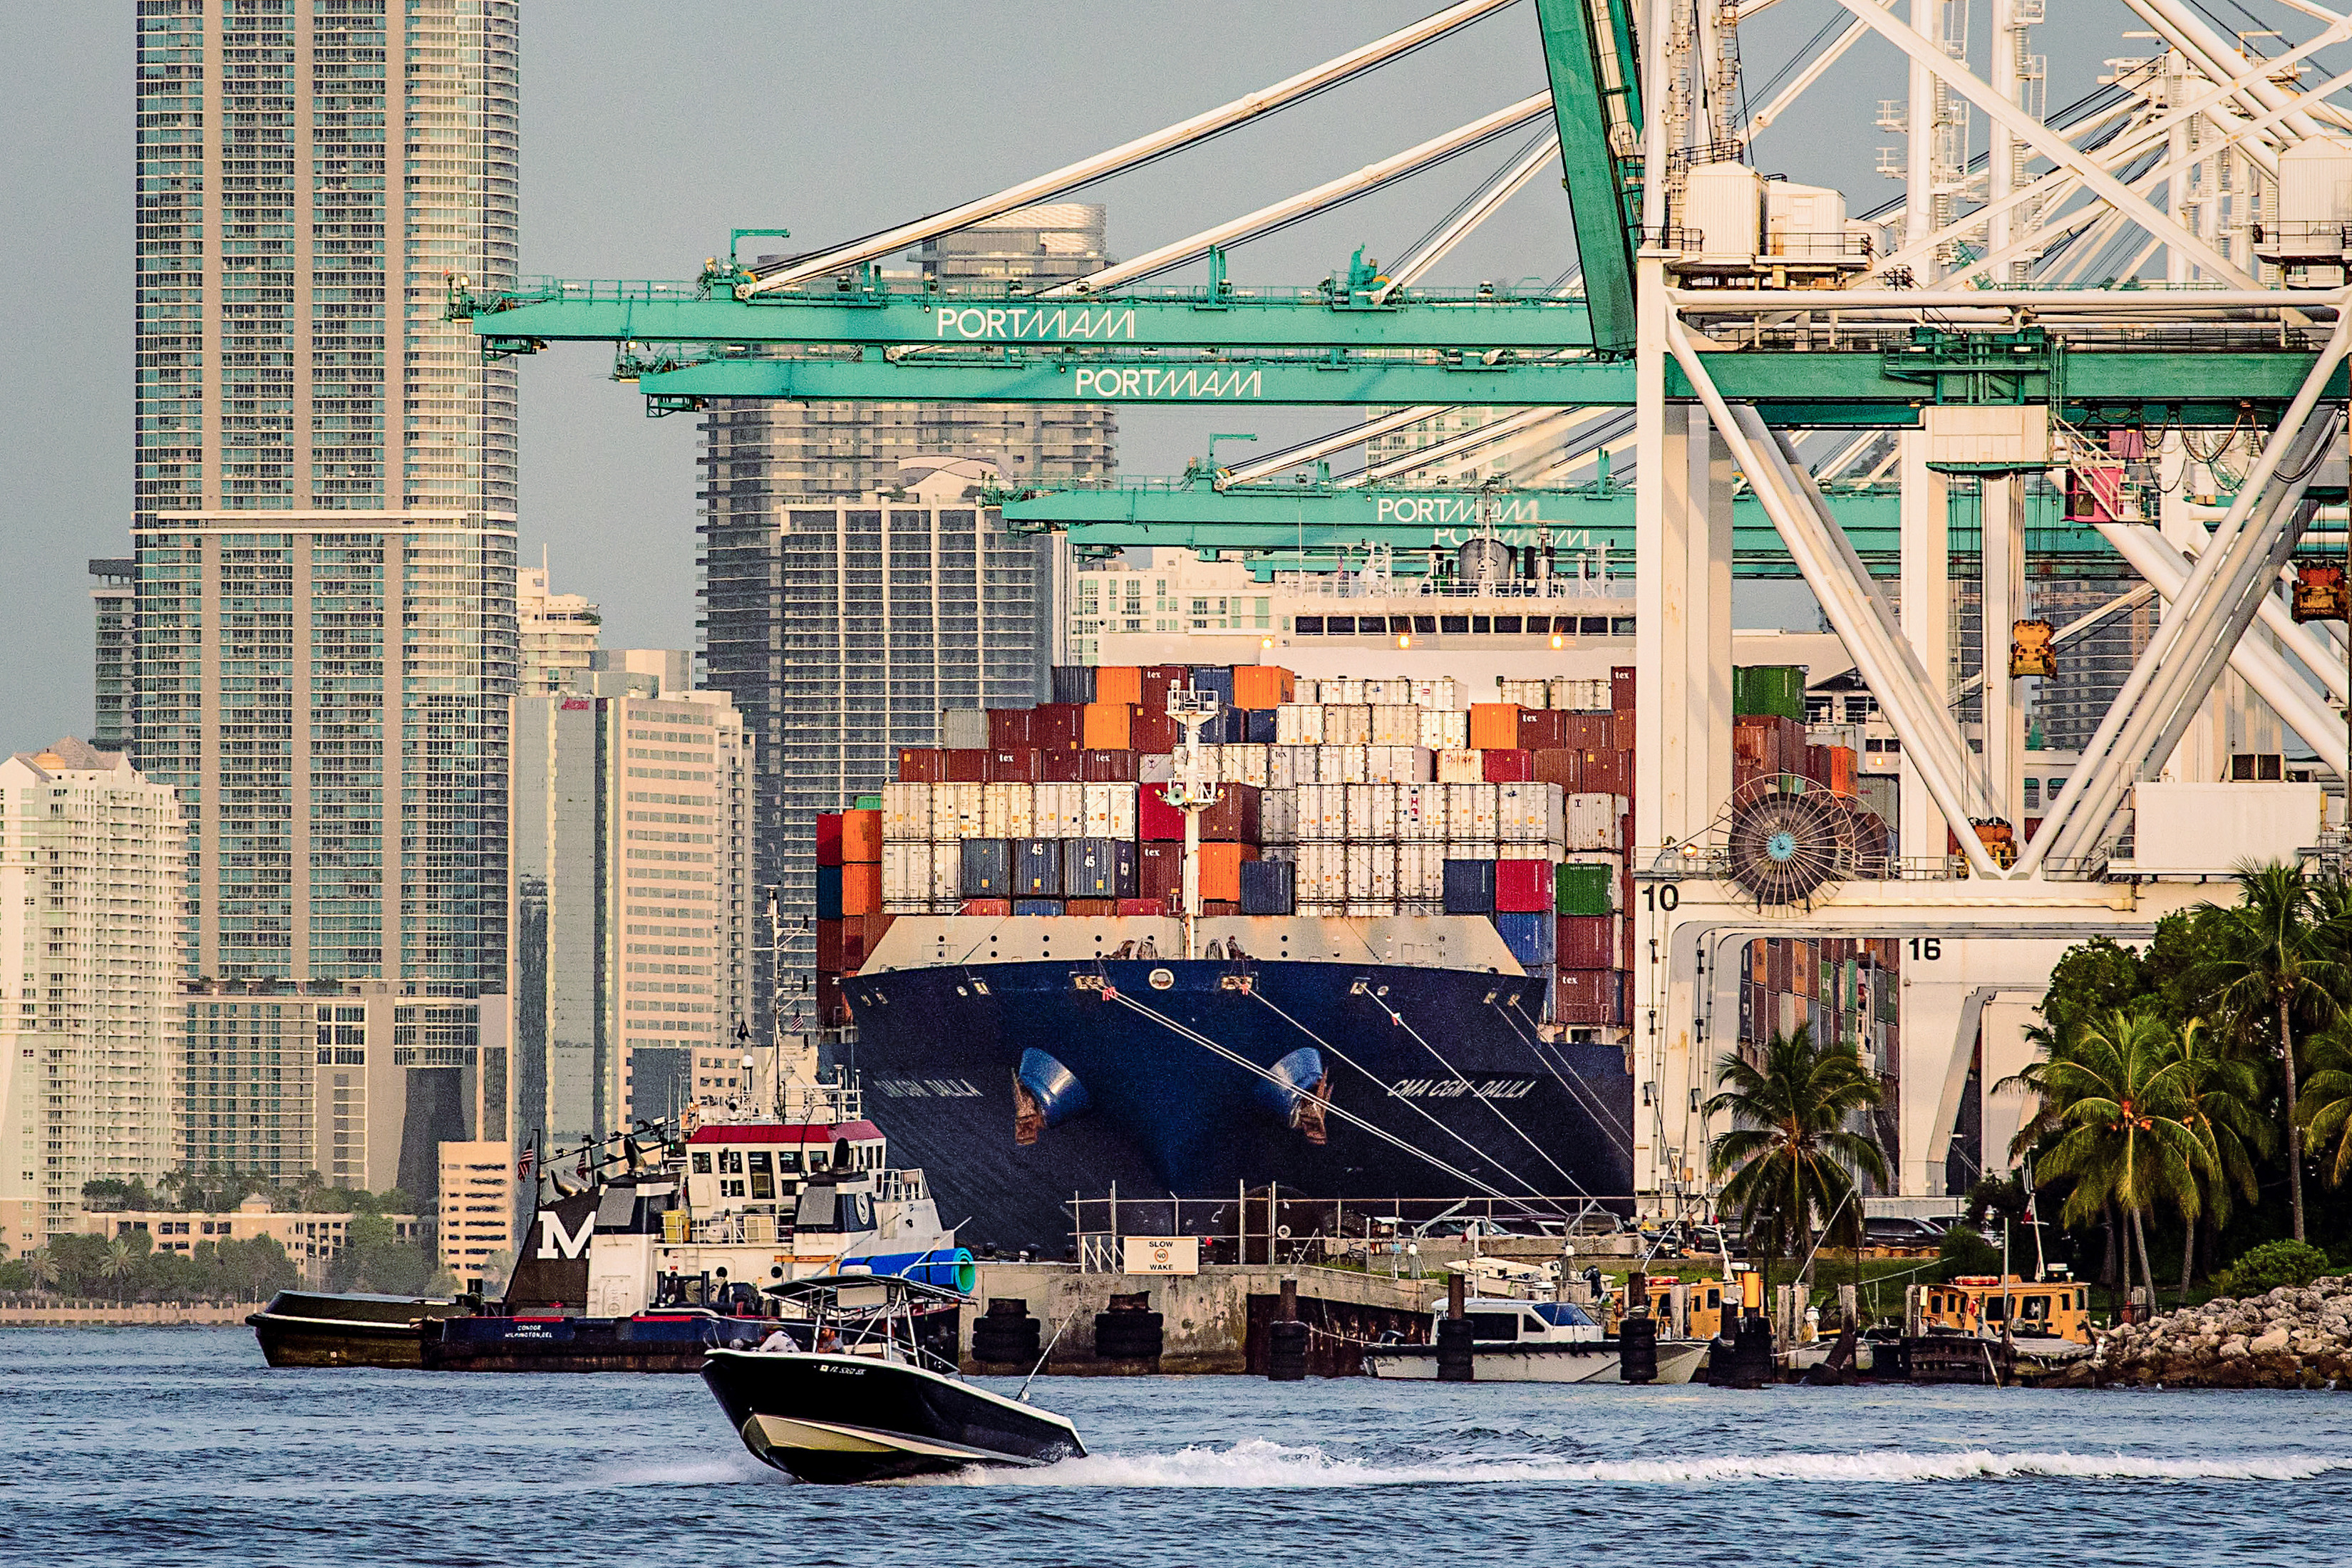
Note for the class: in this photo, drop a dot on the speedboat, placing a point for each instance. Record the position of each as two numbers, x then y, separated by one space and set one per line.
1515 1341
857 1383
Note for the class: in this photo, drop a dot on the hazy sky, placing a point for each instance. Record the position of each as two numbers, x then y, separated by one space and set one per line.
649 130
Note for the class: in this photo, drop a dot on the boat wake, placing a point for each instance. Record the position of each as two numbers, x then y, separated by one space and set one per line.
1261 1464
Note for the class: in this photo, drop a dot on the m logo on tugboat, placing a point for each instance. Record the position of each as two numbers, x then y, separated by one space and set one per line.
554 1242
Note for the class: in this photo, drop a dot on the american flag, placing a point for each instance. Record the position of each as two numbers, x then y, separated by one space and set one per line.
522 1165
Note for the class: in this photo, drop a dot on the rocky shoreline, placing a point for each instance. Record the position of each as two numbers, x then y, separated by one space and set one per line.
2288 1338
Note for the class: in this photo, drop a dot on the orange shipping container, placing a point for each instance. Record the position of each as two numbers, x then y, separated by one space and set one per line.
1261 686
1107 726
861 890
1119 683
1841 769
1494 726
861 838
1221 870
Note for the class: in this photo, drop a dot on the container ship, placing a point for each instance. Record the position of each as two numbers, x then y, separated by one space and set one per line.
1399 966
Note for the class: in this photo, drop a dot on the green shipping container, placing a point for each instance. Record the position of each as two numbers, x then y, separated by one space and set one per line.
1582 888
867 803
1773 689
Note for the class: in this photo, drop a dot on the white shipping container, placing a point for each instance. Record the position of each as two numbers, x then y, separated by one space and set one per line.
947 875
906 870
1008 811
1372 871
906 814
1339 764
964 729
1350 693
1322 908
1461 767
906 905
1110 811
1307 690
1395 692
1277 816
1282 766
1575 696
1346 724
1526 693
956 810
1322 874
1244 764
1395 726
1400 764
1470 811
1420 869
1284 852
1443 693
1593 822
1370 909
1321 813
1371 811
1155 767
1473 849
1420 811
1530 814
1298 724
1061 810
1444 729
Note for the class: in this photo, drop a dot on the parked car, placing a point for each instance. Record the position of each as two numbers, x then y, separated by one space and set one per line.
1900 1230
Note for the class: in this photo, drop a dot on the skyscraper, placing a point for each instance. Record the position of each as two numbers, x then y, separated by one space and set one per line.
90 892
324 497
557 632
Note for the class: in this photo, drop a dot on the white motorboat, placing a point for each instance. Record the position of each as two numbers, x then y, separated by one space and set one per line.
1532 1341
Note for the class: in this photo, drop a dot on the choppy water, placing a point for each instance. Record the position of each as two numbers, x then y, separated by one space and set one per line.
165 1446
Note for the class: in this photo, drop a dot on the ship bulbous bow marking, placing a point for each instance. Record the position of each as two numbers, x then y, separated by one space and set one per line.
1298 1093
1045 1093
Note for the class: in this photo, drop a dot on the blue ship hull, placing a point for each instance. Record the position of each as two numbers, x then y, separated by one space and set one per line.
1017 1087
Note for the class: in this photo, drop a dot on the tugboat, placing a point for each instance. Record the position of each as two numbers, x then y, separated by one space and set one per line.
852 1386
313 1328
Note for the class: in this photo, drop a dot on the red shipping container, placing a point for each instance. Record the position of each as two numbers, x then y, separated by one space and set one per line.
1602 773
1008 728
1556 765
828 946
1589 732
1159 873
1816 765
831 1008
985 907
877 926
965 765
861 837
1625 932
1107 767
829 838
861 888
1220 907
1542 729
1588 941
1140 907
1589 996
853 945
1013 764
1090 907
1158 679
1524 886
1058 726
1153 733
1061 767
1233 820
1621 690
1156 821
922 764
1509 767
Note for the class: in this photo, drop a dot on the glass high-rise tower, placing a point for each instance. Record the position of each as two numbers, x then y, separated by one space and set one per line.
324 603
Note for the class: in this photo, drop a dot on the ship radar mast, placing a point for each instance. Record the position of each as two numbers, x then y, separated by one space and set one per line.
1191 791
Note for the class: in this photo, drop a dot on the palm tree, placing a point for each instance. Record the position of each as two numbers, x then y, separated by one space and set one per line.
43 1263
119 1264
2273 955
2121 1101
2327 1099
1790 1152
2217 1091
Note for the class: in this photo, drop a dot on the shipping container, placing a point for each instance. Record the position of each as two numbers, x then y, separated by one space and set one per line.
1522 693
1117 683
1443 692
1098 868
1621 691
1008 729
828 892
1774 689
1421 811
829 838
1298 724
1399 764
1262 687
1108 767
1159 873
987 868
1288 765
1394 691
1572 695
861 888
1243 763
1108 726
1075 683
1217 679
1371 872
1154 730
1277 816
1473 849
1321 812
921 764
1542 730
1058 726
1524 886
1346 724
1445 730
1131 906
1529 936
964 764
1038 868
1585 888
1111 814
861 838
1588 941
1036 905
1257 726
1470 811
1530 814
1394 726
1594 732
1015 765
1322 874
1155 770
947 872
964 729
1513 766
1347 691
1155 682
1059 810
955 811
1421 871
1339 764
1007 811
1371 811
1494 726
1589 996
1469 887
906 813
1594 821
906 873
1461 767
985 907
1266 886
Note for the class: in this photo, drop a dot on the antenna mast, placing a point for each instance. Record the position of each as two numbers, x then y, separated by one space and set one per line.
1192 792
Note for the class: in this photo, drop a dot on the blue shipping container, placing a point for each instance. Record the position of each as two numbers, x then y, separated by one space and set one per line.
1038 868
1532 938
1257 726
987 868
1469 887
1266 887
828 892
1217 678
1036 905
1098 868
